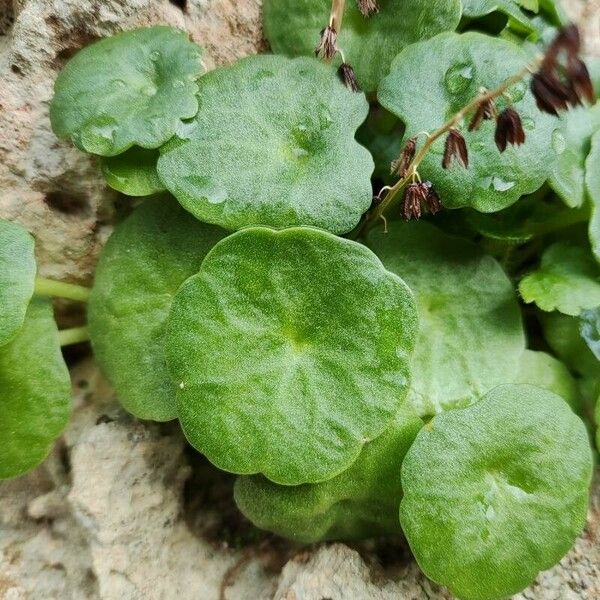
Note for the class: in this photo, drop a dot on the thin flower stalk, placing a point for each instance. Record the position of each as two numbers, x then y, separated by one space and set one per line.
393 193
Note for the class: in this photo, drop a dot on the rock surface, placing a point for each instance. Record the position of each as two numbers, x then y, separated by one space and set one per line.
121 509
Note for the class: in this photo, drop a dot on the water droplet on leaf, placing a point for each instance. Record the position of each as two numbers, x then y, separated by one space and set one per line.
458 78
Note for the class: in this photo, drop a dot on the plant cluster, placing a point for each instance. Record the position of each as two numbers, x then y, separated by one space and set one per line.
353 347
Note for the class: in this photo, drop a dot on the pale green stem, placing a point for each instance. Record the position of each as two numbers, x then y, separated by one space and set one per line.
58 289
75 335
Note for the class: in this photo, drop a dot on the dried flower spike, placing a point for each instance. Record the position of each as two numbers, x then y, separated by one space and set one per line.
327 47
455 149
432 200
556 87
580 81
367 7
551 95
401 164
414 195
485 111
509 129
347 75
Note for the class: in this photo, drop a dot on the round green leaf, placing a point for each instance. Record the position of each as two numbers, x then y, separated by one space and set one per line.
273 145
369 45
133 172
359 503
458 66
571 141
133 88
145 260
468 315
17 275
496 492
592 184
291 350
35 392
568 280
546 372
519 12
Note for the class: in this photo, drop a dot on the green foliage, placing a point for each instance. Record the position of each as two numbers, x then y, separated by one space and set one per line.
568 280
146 259
571 141
496 492
291 350
133 172
464 299
592 184
133 88
511 8
294 159
458 66
359 503
35 392
546 372
17 275
562 334
369 45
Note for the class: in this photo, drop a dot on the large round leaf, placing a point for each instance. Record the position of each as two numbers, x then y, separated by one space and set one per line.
568 280
359 503
496 492
133 172
145 260
571 141
133 88
17 275
458 66
470 333
35 392
369 45
291 350
273 145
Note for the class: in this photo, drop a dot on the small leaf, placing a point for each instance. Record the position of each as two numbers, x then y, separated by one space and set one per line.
568 280
35 392
291 350
464 300
145 260
592 184
546 372
458 66
293 28
17 275
133 88
496 492
571 141
361 502
133 172
289 158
